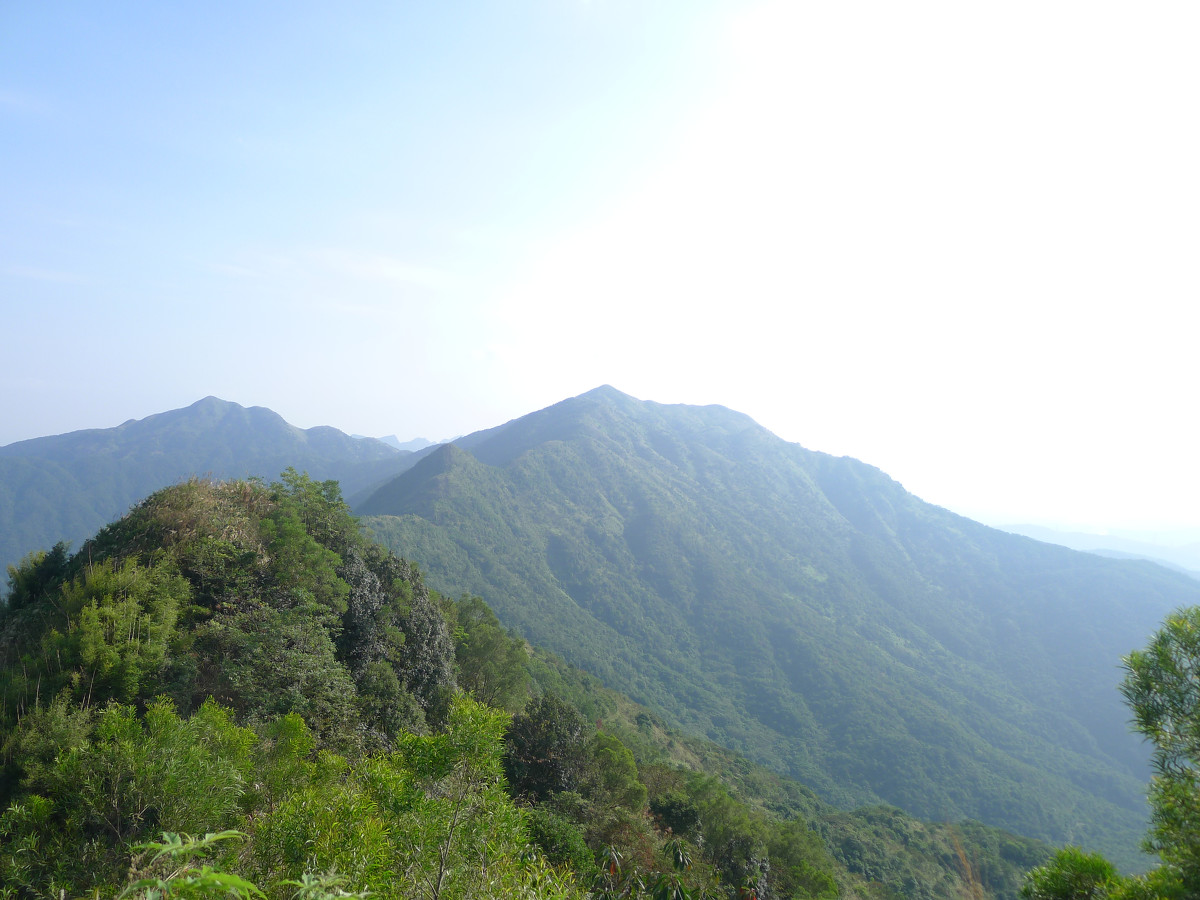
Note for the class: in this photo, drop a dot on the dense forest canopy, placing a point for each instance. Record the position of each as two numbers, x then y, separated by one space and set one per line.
236 660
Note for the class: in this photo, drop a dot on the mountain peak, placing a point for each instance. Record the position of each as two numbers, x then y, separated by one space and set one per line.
212 400
803 606
605 392
62 487
210 407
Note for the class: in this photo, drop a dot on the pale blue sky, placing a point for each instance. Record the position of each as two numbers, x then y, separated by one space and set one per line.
957 241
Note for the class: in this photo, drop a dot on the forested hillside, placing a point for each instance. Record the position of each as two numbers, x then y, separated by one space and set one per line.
237 660
802 609
798 608
65 487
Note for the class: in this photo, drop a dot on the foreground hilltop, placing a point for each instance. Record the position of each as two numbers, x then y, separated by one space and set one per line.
801 608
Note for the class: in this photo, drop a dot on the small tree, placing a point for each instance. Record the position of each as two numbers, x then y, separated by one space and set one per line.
491 662
544 752
1162 687
1071 875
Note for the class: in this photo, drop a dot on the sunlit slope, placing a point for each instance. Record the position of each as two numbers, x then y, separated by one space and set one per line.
801 608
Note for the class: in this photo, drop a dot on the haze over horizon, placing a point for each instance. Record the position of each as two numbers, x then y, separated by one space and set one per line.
953 242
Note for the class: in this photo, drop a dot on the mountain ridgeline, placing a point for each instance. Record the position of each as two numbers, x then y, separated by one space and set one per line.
65 487
802 609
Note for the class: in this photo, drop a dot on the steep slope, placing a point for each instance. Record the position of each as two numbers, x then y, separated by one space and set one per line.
66 486
800 608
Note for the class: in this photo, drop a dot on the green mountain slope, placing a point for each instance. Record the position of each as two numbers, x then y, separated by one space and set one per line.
894 853
238 656
66 486
800 608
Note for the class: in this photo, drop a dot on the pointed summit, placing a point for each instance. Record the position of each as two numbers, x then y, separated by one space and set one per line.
606 392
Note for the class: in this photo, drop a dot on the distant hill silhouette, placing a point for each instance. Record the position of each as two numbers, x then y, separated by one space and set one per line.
67 486
1180 556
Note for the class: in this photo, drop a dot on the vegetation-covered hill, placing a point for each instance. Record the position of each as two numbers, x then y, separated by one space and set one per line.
65 487
237 659
802 609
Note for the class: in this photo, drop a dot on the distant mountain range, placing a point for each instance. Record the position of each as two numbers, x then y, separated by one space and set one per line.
800 608
393 441
67 486
1183 557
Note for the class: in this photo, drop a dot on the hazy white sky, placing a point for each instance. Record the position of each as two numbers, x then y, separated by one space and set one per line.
958 241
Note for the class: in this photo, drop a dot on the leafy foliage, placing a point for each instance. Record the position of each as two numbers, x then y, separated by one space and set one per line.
179 876
491 662
105 633
1071 875
237 591
102 782
1162 687
545 749
431 819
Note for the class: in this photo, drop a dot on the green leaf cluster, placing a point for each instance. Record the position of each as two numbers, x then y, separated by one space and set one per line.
264 597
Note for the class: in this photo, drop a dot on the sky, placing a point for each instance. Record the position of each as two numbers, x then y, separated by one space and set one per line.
958 241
